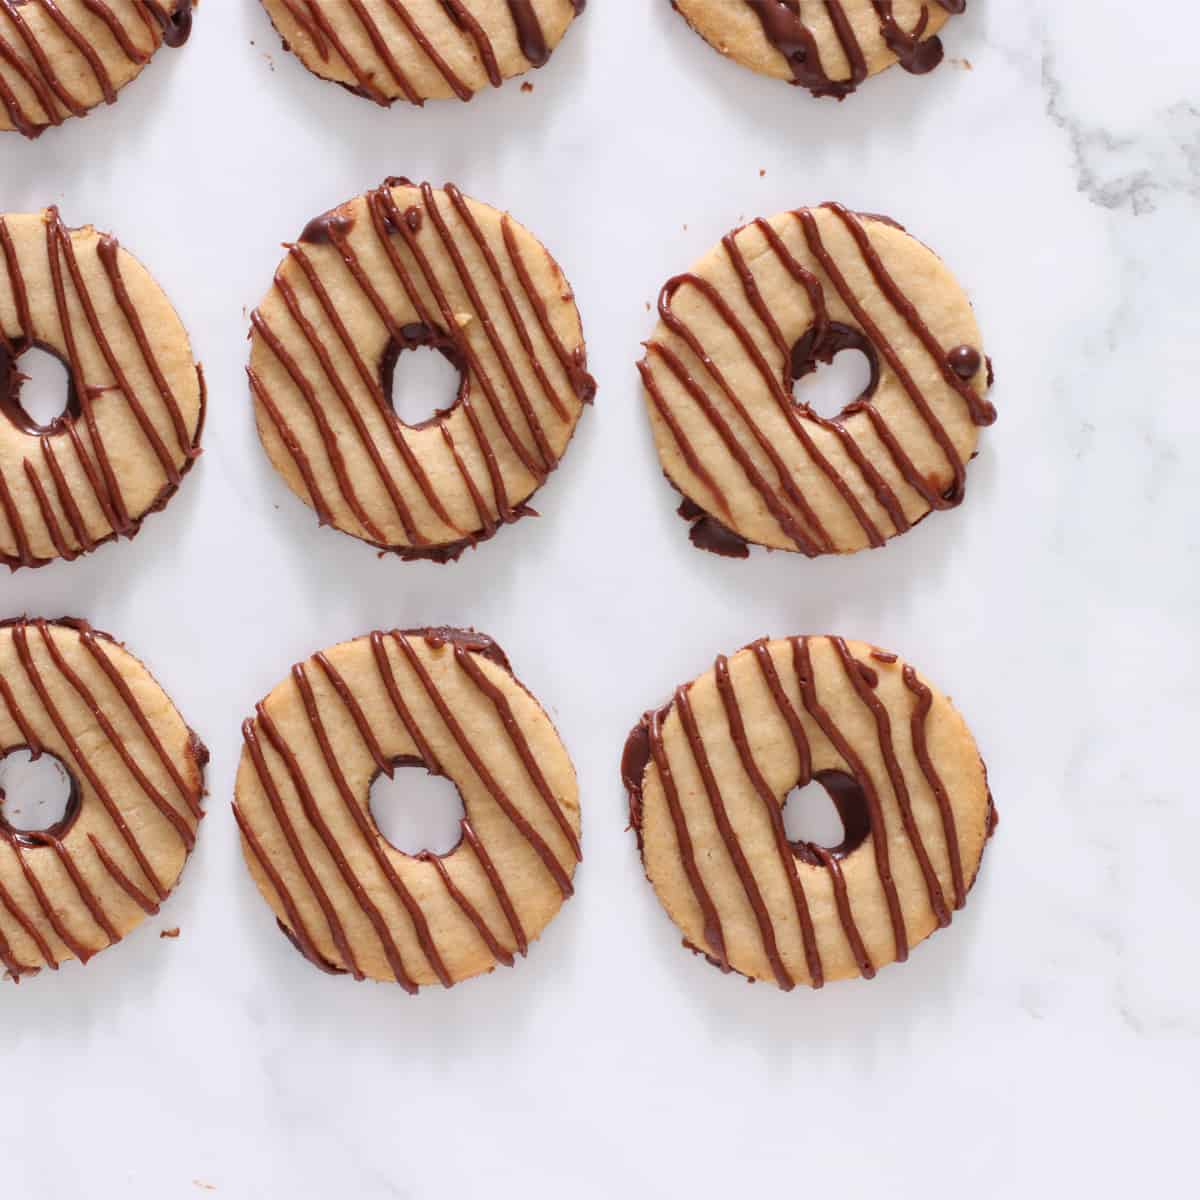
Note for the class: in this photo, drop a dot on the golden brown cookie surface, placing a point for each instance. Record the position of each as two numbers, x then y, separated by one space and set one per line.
60 58
418 50
134 407
708 776
349 900
826 46
136 772
405 269
759 312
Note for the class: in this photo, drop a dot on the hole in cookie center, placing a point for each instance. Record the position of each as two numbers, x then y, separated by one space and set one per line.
830 812
416 811
415 381
39 797
36 391
833 369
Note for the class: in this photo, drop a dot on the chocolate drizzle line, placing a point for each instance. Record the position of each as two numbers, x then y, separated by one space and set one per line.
27 58
467 647
74 538
646 746
413 268
388 44
784 495
82 764
786 29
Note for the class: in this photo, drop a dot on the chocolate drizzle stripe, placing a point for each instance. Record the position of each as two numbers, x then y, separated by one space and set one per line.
92 644
387 675
106 488
883 724
47 512
15 523
292 444
288 829
91 901
369 381
122 880
64 935
920 715
164 806
802 660
501 892
370 835
13 967
713 933
938 431
380 46
297 930
383 406
23 120
328 437
356 714
363 76
520 743
65 498
729 836
120 34
349 876
31 930
846 913
79 759
462 209
28 736
471 754
771 805
384 212
81 43
468 910
430 51
42 63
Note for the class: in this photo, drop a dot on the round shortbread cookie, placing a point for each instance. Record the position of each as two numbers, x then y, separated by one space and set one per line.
442 699
418 50
757 464
826 46
137 780
134 405
60 58
401 268
708 776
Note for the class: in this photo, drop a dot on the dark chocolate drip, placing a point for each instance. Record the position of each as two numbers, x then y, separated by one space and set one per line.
175 22
707 533
786 29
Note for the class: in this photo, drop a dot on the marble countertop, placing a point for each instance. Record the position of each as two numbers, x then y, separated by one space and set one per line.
1048 1043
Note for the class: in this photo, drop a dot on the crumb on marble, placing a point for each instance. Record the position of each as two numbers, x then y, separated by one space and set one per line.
169 933
527 86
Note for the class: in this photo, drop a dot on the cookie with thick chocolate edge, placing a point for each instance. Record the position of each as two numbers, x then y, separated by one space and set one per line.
826 46
133 408
775 298
61 58
418 50
708 776
136 775
409 268
444 700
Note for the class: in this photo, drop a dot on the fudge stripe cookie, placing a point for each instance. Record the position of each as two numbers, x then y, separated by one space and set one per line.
60 58
416 50
444 700
757 314
409 267
136 775
826 46
134 408
708 776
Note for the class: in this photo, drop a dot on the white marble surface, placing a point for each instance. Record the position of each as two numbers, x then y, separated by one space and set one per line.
1047 1043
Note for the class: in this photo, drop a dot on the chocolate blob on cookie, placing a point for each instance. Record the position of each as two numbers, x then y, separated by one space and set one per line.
418 50
708 776
408 269
442 700
60 59
133 403
73 695
826 46
724 382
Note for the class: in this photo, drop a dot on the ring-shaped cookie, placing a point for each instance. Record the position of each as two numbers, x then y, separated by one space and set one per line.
708 776
774 298
60 58
134 403
442 699
137 780
418 50
401 268
826 46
